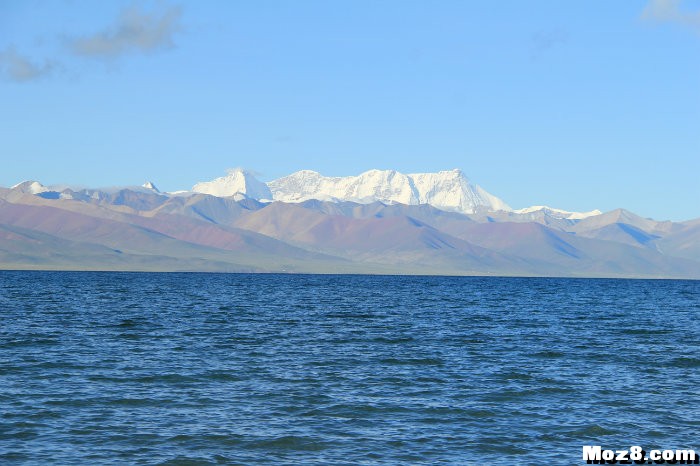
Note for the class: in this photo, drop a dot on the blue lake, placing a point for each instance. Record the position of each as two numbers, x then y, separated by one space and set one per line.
149 368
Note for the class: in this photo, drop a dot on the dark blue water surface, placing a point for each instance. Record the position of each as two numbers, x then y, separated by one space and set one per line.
147 368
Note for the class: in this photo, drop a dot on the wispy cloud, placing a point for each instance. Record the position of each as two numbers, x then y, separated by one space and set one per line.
135 31
542 41
671 11
21 69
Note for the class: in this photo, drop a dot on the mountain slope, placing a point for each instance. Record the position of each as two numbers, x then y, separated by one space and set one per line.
683 243
563 253
174 237
139 228
626 217
390 240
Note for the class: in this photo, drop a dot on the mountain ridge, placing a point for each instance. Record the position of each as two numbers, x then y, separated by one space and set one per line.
138 228
448 190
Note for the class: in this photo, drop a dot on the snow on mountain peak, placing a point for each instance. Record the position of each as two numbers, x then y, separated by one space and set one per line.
452 190
151 186
31 187
236 182
558 213
446 190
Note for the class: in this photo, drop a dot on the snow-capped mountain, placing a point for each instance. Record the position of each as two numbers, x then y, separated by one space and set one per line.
31 187
558 213
236 182
138 228
151 186
446 190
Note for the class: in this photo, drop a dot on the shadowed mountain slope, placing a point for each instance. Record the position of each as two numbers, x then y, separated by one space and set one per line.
683 243
142 229
556 250
393 240
178 239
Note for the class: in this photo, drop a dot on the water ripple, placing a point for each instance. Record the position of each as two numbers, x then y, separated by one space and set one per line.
192 369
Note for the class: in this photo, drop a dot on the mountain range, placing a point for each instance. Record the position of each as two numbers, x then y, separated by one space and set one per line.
376 222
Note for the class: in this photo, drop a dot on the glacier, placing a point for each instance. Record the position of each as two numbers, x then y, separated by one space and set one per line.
236 182
447 190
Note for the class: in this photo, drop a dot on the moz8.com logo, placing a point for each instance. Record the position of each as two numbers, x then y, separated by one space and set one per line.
595 454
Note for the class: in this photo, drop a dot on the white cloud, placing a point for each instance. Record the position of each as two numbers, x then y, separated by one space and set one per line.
671 11
134 31
21 69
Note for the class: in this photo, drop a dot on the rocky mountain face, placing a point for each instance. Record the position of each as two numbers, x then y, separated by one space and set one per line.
378 222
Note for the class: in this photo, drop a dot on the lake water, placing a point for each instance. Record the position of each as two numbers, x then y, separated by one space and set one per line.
147 368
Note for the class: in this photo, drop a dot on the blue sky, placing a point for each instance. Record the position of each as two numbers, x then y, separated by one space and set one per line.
578 105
